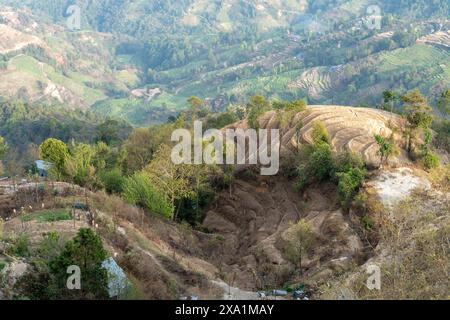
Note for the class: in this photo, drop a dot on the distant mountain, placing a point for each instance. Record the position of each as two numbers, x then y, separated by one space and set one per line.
141 60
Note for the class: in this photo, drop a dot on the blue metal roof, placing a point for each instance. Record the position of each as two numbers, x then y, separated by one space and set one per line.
117 279
43 165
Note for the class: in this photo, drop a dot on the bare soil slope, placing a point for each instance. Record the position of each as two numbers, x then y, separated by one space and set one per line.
253 222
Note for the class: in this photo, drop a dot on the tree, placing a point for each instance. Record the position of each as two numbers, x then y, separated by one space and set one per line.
349 183
79 165
286 110
199 177
299 243
113 181
103 156
444 102
3 151
195 105
255 108
3 148
318 165
320 133
108 131
321 162
403 39
418 116
85 251
137 151
56 152
169 178
386 148
390 98
139 190
428 158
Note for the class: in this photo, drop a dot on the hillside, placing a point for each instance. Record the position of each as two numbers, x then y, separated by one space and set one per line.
42 63
350 129
141 61
241 241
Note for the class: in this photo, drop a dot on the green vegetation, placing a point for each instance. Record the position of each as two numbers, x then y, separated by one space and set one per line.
47 216
256 107
20 246
318 164
444 103
48 279
320 134
442 129
351 173
418 115
138 190
387 148
419 120
55 152
430 160
24 127
113 181
161 65
227 56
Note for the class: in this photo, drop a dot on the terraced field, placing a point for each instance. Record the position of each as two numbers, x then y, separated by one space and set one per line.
351 129
316 82
418 56
440 38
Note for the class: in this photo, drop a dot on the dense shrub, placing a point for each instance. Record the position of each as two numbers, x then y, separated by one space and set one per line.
256 107
319 167
348 160
350 175
138 190
318 164
349 183
442 129
113 181
320 133
221 120
430 160
47 279
321 162
20 246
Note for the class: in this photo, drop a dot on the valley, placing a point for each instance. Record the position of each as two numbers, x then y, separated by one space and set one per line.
239 248
95 203
289 55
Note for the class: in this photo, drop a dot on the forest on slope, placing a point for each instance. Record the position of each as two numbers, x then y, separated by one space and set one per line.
141 61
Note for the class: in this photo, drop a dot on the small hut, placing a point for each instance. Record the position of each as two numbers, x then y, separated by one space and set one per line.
43 168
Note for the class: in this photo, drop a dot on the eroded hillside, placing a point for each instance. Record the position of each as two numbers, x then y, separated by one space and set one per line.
241 245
